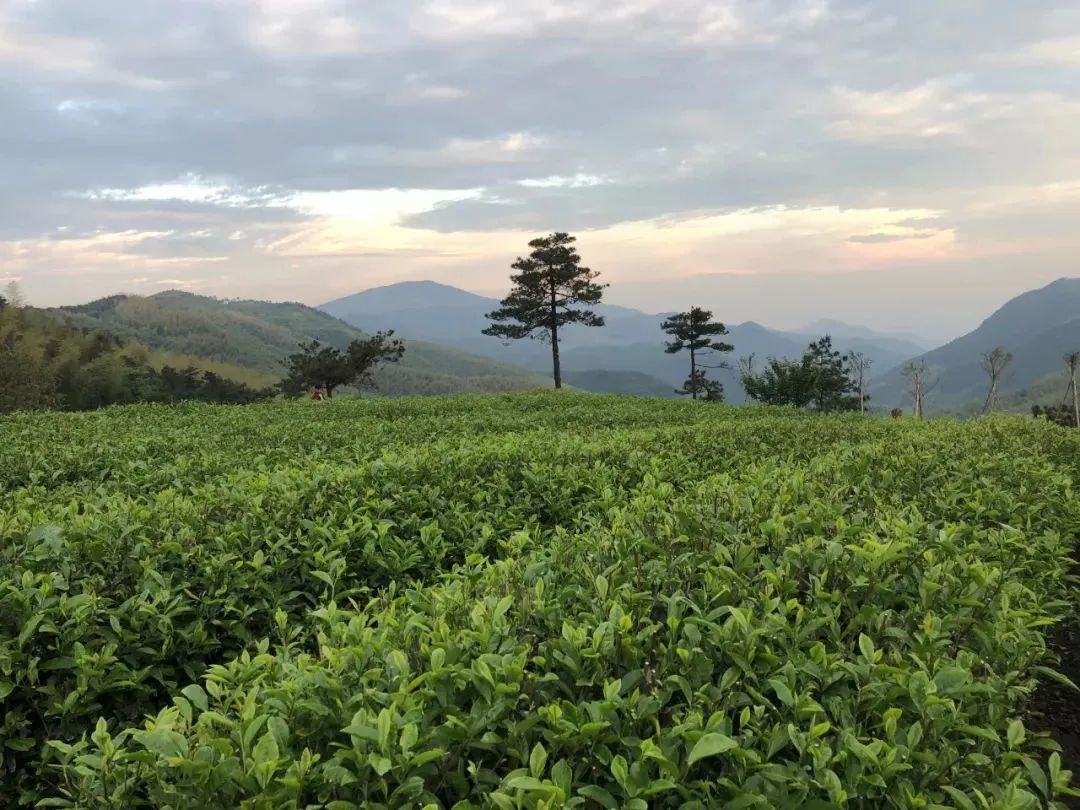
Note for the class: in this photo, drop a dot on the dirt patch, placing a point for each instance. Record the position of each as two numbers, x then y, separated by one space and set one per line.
1056 707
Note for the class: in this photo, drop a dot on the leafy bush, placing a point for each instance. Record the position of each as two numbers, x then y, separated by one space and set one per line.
529 601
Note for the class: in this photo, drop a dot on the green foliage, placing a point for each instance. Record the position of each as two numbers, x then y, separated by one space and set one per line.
695 332
823 380
46 363
318 366
1058 414
549 286
257 335
699 386
528 601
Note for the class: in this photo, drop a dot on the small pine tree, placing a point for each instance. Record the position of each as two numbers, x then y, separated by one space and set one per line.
695 331
829 369
698 386
318 366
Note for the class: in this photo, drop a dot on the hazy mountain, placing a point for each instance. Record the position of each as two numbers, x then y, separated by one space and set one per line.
1037 327
260 334
910 343
606 381
630 341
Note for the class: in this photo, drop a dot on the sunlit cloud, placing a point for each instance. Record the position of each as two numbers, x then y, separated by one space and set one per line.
1060 51
306 148
579 180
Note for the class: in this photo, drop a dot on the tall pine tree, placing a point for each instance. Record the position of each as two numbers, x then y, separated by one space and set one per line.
696 332
549 287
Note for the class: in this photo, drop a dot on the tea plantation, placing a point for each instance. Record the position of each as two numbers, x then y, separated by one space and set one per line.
530 601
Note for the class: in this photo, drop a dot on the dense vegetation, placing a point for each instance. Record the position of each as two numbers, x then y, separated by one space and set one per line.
46 362
823 380
260 335
528 601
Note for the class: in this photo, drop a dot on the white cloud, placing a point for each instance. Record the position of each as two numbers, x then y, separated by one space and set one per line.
1060 50
579 180
389 205
502 148
372 205
192 189
933 109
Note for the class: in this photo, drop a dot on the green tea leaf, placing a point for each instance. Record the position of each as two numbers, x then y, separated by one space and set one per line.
711 745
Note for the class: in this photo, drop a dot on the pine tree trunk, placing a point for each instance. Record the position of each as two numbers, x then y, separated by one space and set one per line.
693 373
555 364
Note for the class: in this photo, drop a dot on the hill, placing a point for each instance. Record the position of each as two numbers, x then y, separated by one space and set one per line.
630 343
46 362
1038 327
606 381
259 335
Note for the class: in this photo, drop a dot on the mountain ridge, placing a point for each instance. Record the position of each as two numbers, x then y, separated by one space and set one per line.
260 334
630 341
1038 327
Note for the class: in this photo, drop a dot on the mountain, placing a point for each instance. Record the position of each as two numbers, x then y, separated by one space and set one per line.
1038 327
913 344
606 381
631 342
427 310
259 335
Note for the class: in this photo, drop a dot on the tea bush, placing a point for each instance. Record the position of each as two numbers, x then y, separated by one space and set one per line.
528 601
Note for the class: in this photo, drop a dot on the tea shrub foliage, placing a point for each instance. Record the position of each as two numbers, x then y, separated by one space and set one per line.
529 601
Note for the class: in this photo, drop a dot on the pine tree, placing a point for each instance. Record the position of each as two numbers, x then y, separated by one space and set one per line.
832 385
695 331
318 366
549 285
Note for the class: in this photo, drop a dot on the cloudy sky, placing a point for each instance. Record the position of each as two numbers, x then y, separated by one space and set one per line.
901 164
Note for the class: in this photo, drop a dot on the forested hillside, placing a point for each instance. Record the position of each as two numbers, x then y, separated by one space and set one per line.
1037 328
47 362
260 334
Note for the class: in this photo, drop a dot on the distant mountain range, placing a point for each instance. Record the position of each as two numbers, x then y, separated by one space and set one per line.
630 345
446 352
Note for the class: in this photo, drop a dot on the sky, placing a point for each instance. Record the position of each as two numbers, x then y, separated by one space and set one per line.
904 165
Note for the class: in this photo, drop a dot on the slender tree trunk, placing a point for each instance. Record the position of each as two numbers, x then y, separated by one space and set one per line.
693 373
918 399
555 364
991 397
1076 400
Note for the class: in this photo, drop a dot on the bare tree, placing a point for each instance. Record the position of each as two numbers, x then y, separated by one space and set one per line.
920 384
13 294
859 368
1072 367
994 364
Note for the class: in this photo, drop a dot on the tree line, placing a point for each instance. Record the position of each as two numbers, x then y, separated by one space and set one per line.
47 363
552 289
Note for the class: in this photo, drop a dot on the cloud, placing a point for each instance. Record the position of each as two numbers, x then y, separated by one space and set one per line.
309 147
1058 50
579 180
885 238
